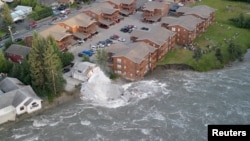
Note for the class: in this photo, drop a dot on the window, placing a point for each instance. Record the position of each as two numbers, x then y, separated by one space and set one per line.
119 66
119 60
119 72
21 108
173 28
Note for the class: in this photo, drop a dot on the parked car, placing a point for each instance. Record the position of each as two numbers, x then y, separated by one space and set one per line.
62 7
6 36
144 28
103 26
65 70
122 39
66 11
86 52
124 29
18 39
114 37
80 41
32 25
108 41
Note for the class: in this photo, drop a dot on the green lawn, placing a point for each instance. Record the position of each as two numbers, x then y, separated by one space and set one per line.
216 36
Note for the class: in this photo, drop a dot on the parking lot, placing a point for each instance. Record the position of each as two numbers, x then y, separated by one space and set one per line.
114 29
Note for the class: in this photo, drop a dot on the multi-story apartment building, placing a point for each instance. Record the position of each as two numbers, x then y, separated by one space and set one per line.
104 13
126 7
81 26
187 28
154 10
203 12
160 38
132 61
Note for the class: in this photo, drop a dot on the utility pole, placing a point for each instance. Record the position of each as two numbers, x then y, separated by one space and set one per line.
11 35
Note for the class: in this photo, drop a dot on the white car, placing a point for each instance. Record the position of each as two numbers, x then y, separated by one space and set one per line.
80 41
122 39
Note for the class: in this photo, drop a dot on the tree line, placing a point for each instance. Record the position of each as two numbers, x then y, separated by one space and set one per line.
42 69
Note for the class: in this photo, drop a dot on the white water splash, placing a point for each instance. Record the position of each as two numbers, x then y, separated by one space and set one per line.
102 91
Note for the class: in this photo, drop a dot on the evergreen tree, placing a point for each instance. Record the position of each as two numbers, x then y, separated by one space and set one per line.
53 68
65 57
25 72
2 62
102 58
6 17
5 65
36 61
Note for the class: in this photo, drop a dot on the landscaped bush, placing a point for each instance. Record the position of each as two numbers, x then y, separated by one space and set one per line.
41 13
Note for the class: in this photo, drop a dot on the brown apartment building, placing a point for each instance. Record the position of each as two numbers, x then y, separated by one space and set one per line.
60 34
81 26
103 13
154 10
126 7
160 38
203 12
187 28
132 61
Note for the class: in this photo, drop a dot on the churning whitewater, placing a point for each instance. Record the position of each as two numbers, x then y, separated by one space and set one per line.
167 105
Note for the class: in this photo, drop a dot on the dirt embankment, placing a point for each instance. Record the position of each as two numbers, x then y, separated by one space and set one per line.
176 67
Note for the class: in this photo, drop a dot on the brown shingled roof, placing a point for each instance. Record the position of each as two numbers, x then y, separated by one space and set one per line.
18 50
200 10
136 52
79 20
152 5
158 35
99 8
188 22
56 31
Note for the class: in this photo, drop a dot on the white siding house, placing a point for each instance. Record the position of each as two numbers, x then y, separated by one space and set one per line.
83 70
15 95
21 12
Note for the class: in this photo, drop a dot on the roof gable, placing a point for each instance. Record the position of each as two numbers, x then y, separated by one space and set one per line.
18 50
79 20
56 31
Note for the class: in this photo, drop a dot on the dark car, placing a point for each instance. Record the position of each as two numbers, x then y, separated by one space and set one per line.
103 26
108 41
18 39
62 7
144 28
124 29
66 70
6 36
114 37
